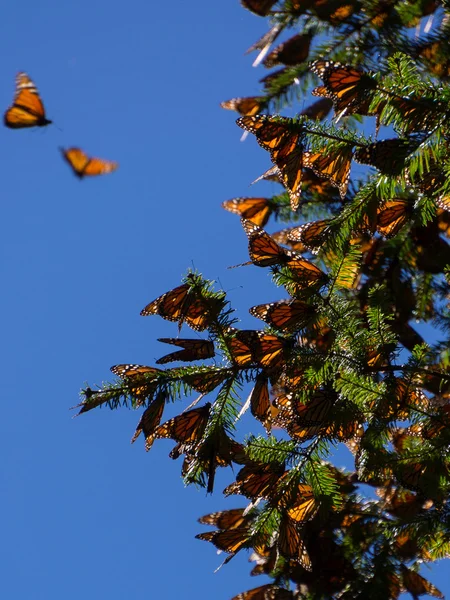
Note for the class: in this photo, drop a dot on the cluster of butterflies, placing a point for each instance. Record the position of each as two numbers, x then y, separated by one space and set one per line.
27 110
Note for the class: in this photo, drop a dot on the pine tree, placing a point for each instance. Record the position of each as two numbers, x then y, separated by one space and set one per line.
338 361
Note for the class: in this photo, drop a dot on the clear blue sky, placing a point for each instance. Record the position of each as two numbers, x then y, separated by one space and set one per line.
86 514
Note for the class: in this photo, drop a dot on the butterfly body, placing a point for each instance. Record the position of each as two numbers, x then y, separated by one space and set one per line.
27 109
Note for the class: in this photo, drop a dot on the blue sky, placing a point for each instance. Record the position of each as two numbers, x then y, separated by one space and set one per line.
85 513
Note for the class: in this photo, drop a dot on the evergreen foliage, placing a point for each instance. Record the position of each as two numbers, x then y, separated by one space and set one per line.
340 362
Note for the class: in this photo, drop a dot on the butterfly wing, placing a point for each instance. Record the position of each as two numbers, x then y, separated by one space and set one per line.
192 350
27 109
82 165
256 210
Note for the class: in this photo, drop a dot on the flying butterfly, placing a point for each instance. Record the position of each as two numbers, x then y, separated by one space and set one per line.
27 109
256 210
192 350
149 421
284 314
85 166
226 519
291 52
186 428
333 166
259 7
266 592
282 237
252 105
388 156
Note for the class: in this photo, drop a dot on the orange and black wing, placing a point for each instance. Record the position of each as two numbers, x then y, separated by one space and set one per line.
272 133
285 314
312 235
291 544
266 592
85 166
27 109
388 156
249 106
226 519
231 540
346 86
262 248
256 210
192 350
331 165
291 52
149 421
126 371
260 405
170 305
391 217
186 428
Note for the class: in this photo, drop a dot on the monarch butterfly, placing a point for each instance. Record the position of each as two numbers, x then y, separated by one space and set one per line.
388 156
331 165
266 592
291 52
206 380
417 113
256 347
259 7
226 519
83 165
312 235
149 421
319 110
418 585
184 303
315 412
401 398
304 274
391 216
290 543
27 109
282 237
137 378
305 507
256 210
256 480
193 350
263 250
260 406
249 106
272 132
127 371
346 86
186 428
230 540
289 169
284 314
